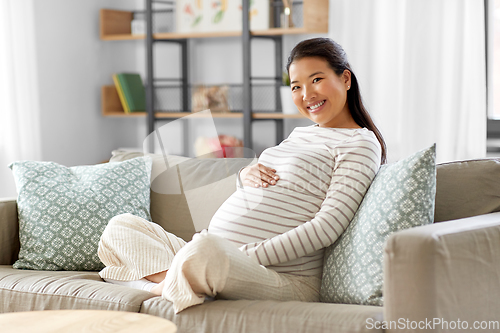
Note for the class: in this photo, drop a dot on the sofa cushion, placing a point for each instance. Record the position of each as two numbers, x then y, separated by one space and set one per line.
64 210
244 316
400 197
24 290
186 192
467 188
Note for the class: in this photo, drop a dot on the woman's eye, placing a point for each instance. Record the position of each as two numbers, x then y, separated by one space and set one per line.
295 88
317 79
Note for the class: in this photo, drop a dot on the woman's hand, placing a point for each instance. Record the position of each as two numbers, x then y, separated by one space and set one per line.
258 175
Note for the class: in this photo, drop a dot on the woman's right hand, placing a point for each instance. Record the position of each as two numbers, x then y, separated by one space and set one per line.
258 175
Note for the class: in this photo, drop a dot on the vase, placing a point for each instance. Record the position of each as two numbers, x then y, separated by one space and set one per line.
287 105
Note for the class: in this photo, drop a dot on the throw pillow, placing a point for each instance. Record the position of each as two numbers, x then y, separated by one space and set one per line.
400 197
64 210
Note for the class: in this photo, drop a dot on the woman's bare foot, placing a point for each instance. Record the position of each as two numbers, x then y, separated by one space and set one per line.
157 278
157 290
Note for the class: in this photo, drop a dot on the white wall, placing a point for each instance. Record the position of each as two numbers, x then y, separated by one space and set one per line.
73 64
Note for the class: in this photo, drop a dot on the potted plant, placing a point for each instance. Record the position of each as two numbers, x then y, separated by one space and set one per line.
287 105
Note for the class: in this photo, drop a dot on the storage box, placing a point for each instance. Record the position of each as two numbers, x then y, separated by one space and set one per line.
190 15
220 15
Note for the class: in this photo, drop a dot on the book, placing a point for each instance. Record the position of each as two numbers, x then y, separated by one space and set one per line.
120 94
133 91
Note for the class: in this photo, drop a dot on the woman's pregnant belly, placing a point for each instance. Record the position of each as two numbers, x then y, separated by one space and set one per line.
255 214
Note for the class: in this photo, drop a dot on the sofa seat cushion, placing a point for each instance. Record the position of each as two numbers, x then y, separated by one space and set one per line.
245 316
27 290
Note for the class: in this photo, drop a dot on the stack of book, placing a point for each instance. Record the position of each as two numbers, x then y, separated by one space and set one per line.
131 91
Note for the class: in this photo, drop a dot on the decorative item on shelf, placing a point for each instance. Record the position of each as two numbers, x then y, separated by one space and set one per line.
220 15
287 105
138 27
286 16
131 91
213 98
290 13
162 22
223 146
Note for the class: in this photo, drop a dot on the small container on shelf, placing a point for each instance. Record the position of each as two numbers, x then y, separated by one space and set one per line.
287 105
138 27
287 14
163 21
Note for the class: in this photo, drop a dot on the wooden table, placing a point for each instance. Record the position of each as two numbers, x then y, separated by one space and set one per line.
79 321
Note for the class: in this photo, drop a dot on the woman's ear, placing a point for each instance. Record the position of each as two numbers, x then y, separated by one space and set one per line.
346 76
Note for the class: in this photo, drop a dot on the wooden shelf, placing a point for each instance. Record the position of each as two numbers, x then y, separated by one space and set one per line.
177 115
115 22
115 25
112 107
121 114
276 115
170 115
110 102
171 35
165 115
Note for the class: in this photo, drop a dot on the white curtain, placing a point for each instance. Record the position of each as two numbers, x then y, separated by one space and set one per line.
422 71
19 100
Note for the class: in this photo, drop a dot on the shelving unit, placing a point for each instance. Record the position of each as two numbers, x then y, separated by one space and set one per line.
115 25
112 107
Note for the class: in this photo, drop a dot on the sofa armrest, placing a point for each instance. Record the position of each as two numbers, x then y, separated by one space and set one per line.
446 271
9 231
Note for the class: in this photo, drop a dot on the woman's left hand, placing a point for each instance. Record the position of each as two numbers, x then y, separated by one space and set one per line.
258 175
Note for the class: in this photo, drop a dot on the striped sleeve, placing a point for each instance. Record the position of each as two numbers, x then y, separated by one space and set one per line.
356 163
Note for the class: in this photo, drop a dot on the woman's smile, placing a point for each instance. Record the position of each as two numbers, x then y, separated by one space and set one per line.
316 107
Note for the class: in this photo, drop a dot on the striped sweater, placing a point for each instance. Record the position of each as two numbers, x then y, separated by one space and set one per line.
324 174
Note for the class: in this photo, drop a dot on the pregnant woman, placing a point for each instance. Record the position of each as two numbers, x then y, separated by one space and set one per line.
268 239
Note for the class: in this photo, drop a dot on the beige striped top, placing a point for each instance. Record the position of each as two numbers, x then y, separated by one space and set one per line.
324 174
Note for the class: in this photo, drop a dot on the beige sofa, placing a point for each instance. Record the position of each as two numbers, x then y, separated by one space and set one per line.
444 272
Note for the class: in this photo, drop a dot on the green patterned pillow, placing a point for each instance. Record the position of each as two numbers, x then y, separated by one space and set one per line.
64 210
400 197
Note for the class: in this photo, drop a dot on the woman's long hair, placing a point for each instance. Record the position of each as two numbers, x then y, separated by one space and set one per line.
336 57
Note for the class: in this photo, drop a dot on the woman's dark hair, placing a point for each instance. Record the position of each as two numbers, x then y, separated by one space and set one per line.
336 57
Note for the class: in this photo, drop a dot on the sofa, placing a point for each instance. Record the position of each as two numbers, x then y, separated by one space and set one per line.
447 272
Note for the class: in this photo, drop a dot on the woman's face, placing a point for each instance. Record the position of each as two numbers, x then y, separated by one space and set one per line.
320 94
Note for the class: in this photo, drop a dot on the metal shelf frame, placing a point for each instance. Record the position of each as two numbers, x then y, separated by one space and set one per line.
150 41
246 39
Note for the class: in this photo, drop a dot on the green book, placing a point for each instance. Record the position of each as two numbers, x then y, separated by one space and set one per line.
133 91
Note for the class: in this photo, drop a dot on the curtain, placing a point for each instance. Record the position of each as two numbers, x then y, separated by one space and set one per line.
421 65
19 101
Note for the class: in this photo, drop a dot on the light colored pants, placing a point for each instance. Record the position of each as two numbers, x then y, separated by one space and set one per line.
132 248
